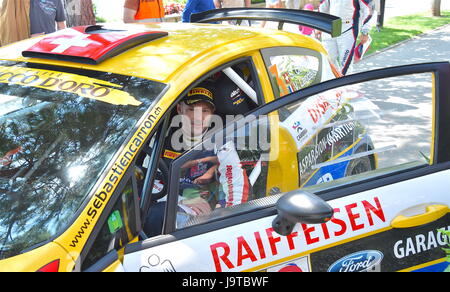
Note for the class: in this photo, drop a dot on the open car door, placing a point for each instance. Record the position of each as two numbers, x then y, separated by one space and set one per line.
349 175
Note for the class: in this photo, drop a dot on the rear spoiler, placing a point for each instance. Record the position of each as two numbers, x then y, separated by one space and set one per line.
317 20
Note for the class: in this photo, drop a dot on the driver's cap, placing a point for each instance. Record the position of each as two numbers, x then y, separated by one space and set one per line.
202 92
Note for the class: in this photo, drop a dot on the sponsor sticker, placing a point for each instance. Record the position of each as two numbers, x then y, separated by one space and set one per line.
362 261
65 82
256 247
299 265
115 222
155 264
171 154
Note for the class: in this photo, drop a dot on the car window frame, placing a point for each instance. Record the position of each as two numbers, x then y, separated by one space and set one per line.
160 132
140 215
162 127
129 175
267 53
257 87
441 142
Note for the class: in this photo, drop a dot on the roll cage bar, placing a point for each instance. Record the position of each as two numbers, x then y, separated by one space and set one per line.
317 20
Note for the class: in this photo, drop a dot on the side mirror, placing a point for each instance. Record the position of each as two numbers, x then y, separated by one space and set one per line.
300 207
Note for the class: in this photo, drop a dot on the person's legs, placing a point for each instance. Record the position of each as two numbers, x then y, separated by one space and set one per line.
331 46
270 4
154 222
289 4
346 44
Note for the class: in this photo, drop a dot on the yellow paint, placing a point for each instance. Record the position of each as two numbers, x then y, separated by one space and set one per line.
188 48
35 259
282 159
432 213
263 76
189 52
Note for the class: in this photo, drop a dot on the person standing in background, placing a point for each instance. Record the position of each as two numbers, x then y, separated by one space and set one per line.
306 30
195 6
356 16
14 21
232 3
272 4
46 16
292 4
143 11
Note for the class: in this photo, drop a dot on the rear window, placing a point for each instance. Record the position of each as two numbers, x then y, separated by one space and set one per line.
59 129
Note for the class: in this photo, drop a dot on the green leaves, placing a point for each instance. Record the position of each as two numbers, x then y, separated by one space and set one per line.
446 250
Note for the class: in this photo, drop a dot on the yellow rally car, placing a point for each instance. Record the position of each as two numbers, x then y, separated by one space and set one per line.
307 172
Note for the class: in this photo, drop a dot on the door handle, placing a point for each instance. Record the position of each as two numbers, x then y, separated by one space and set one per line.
432 213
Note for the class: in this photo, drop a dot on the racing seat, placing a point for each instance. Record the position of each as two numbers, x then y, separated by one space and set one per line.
230 99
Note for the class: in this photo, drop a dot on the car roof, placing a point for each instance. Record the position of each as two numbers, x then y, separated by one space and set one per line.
194 47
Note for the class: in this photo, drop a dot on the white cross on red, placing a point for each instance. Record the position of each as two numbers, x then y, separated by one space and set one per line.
66 43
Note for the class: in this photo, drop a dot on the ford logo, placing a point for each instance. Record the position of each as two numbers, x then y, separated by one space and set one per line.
361 261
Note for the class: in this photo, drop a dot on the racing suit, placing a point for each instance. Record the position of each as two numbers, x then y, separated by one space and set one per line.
232 177
356 16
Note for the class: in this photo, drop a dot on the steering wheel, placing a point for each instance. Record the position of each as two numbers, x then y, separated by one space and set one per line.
161 181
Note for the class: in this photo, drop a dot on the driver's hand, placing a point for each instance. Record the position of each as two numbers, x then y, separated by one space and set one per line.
204 179
198 205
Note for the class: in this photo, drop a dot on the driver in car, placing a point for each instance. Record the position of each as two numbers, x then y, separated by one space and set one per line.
201 190
195 113
213 178
188 127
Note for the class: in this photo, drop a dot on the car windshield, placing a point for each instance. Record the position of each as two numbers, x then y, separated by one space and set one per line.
59 129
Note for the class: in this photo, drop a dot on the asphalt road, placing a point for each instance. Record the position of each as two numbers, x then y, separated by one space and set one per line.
404 103
429 47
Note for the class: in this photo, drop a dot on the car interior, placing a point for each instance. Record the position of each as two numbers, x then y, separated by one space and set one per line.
237 93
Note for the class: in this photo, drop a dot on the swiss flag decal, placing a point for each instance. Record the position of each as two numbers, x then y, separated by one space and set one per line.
89 44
